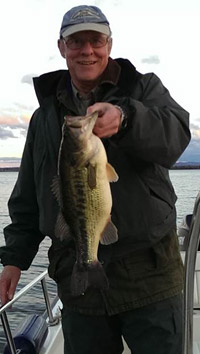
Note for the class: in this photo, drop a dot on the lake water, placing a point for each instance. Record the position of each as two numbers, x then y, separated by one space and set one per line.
35 296
186 184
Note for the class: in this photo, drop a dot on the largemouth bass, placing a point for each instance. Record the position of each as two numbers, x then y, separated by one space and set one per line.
82 188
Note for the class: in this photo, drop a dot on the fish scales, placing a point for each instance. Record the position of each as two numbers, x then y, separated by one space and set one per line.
87 205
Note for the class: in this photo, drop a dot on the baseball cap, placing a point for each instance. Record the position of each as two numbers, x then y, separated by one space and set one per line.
84 18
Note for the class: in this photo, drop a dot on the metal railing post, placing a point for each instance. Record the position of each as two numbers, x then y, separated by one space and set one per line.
8 333
52 321
4 319
190 262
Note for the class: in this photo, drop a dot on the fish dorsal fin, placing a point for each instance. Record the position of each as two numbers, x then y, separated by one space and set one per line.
111 173
109 235
62 230
56 189
92 182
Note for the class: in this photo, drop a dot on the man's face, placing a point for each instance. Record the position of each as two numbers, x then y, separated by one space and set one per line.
86 61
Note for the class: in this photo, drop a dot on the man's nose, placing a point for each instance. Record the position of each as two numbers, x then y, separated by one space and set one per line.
87 47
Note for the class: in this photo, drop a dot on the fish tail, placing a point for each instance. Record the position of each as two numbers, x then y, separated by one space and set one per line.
84 276
97 276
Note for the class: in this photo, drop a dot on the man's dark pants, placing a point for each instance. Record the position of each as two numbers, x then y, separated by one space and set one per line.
153 329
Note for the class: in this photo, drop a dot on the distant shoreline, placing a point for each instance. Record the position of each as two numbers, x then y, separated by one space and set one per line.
186 167
176 167
9 169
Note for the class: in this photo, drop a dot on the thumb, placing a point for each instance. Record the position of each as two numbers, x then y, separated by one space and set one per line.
96 107
90 110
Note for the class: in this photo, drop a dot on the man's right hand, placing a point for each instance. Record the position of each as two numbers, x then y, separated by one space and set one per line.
8 282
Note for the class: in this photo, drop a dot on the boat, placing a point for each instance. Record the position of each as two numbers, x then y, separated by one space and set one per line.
42 334
38 334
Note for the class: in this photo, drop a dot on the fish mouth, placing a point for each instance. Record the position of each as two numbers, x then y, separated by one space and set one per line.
80 127
81 121
74 124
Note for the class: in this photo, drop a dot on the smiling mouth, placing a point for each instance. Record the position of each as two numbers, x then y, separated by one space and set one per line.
87 62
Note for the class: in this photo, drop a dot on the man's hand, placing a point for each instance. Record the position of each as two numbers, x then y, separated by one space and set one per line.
108 121
8 283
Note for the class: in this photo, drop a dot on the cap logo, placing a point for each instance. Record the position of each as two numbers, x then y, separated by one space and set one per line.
85 13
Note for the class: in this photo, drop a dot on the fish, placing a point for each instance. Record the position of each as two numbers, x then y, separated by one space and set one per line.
82 189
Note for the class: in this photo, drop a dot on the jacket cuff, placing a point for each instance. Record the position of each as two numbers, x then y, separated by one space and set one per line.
123 122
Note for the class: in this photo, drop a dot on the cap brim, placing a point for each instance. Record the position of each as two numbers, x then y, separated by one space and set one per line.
98 27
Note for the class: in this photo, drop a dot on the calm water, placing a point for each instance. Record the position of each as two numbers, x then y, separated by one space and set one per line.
186 184
40 263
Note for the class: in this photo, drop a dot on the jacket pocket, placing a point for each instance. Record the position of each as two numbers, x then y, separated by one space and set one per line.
161 257
167 251
140 262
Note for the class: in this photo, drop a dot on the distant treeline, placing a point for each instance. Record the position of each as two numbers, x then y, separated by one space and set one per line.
185 167
9 169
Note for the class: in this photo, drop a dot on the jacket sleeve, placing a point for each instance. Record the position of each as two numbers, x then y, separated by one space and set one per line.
157 127
22 236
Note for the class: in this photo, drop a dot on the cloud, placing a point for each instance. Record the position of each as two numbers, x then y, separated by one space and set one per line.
52 57
10 162
195 131
13 124
6 133
28 79
194 126
152 59
192 152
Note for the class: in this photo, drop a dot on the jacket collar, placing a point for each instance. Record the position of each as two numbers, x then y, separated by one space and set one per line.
54 82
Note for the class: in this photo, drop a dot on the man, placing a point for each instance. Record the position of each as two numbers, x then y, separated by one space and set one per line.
144 132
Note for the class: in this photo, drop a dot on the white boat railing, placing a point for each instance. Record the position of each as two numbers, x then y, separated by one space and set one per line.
190 261
51 320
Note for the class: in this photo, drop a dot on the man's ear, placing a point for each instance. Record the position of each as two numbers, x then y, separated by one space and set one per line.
61 46
110 45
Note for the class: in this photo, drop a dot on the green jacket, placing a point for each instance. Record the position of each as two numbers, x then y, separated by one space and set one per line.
143 199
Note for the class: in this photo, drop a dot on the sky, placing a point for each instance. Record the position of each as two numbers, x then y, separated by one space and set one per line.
160 36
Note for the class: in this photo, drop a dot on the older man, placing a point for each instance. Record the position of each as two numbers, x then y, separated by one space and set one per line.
144 132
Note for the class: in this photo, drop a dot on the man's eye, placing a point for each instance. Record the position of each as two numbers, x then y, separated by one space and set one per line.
96 41
76 41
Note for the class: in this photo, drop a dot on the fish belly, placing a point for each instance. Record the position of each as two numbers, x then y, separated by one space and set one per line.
89 210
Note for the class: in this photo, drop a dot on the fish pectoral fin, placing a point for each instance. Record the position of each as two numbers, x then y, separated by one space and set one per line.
109 235
111 173
92 182
62 230
56 189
